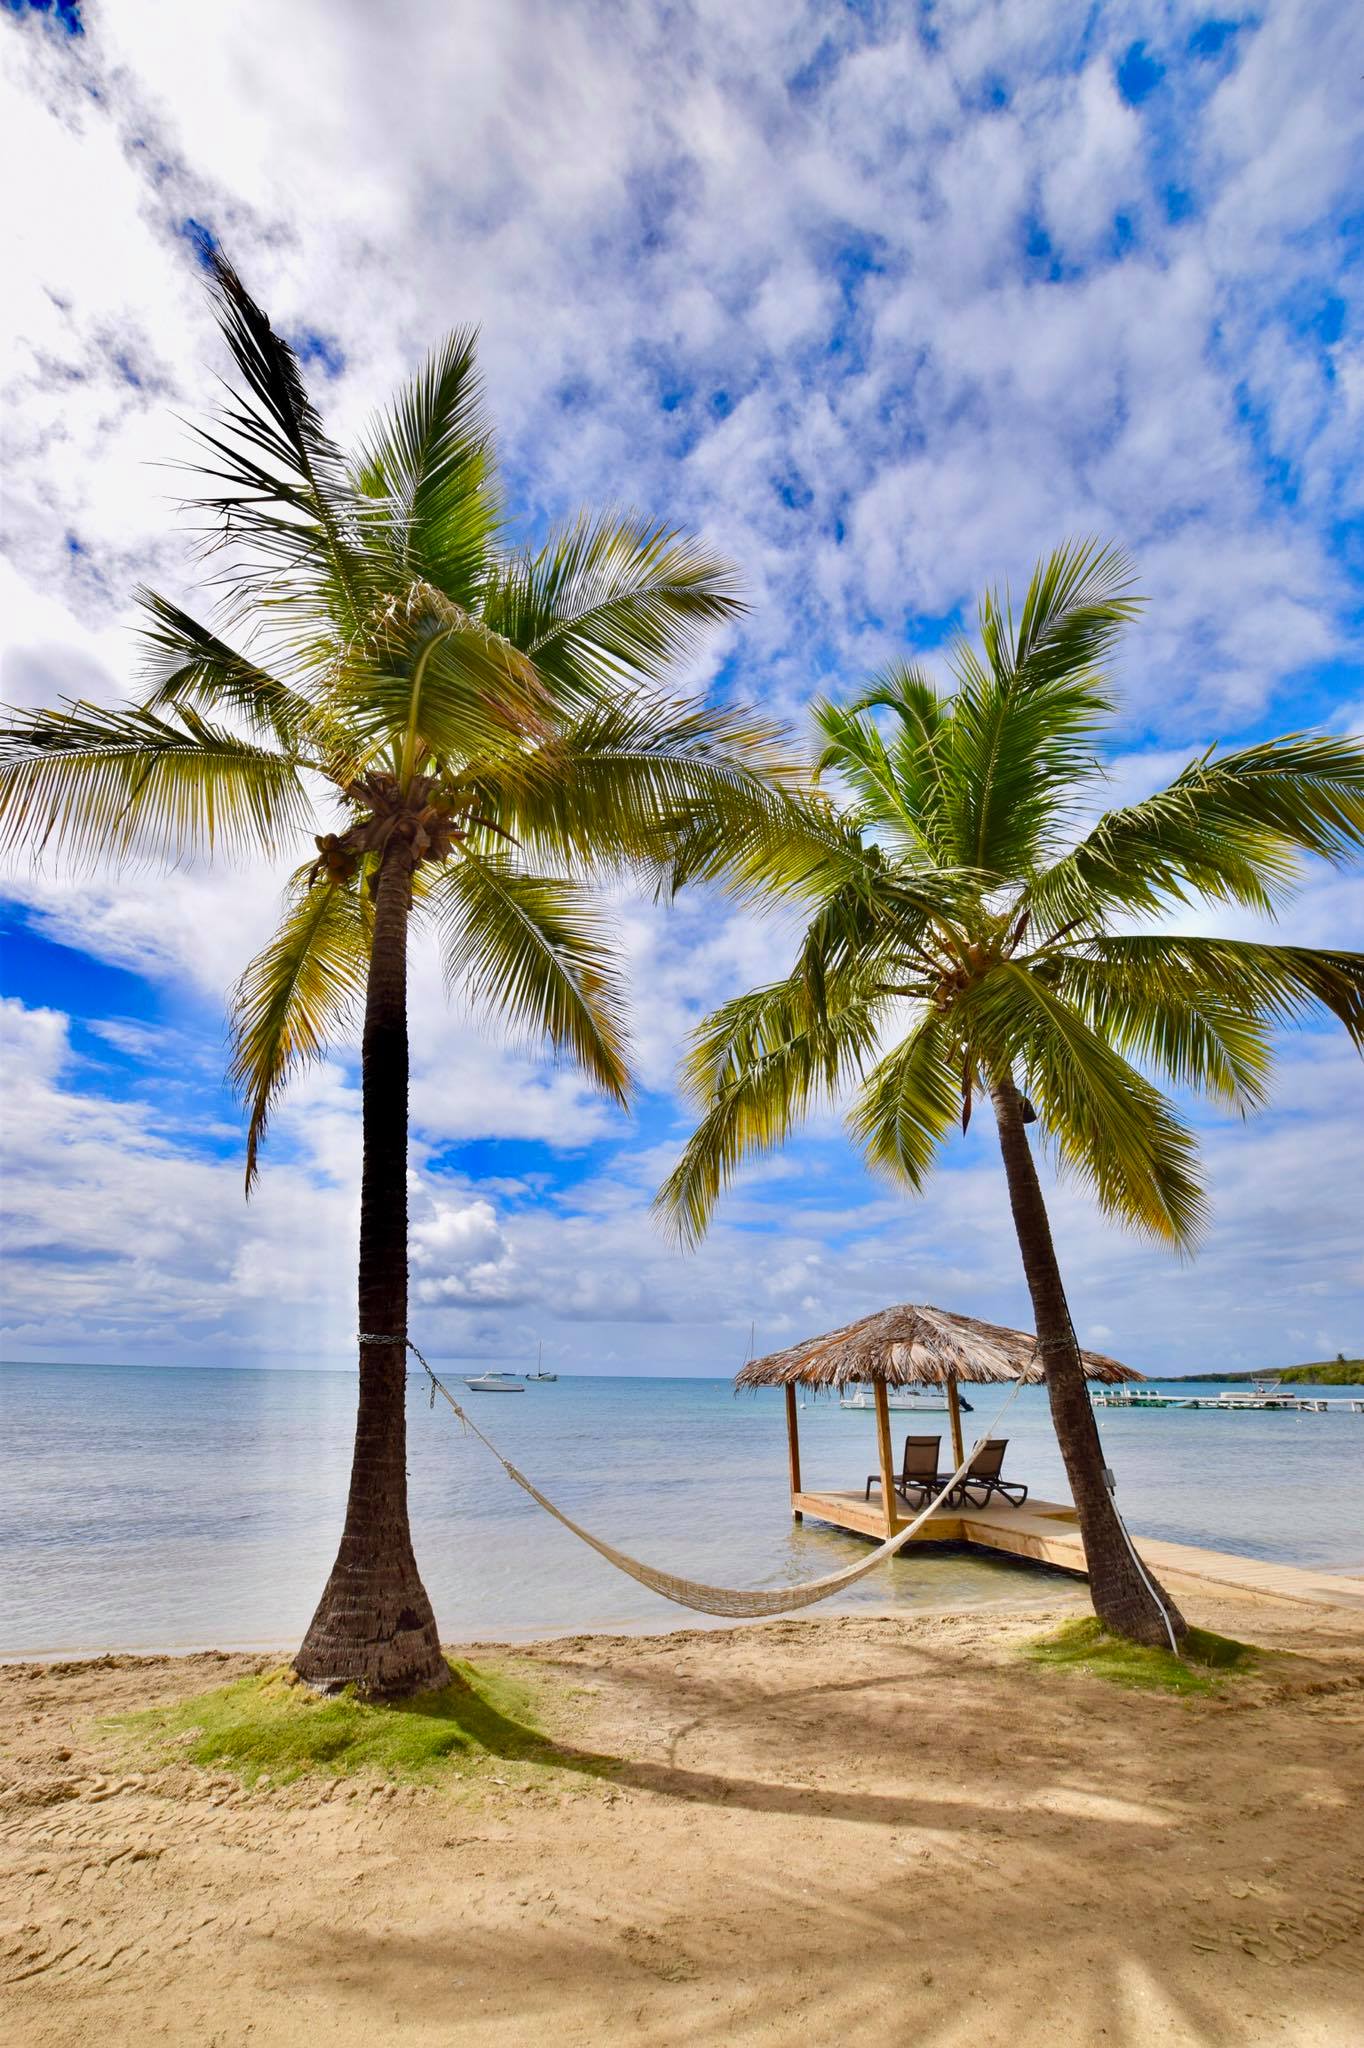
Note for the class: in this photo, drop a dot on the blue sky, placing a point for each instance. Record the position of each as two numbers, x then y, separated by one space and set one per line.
885 301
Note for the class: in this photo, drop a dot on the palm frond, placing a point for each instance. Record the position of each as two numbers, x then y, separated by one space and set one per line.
1156 1013
534 948
759 1065
917 750
1233 829
855 749
909 1102
442 687
906 689
299 995
281 484
89 782
1021 741
683 791
184 663
765 840
610 599
1109 1125
1270 983
1079 599
426 472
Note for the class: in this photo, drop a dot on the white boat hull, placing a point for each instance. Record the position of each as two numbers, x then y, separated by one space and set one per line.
902 1404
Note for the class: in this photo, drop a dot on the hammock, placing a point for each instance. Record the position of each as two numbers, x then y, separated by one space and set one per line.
734 1601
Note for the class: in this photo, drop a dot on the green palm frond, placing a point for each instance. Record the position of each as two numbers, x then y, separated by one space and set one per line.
902 927
1078 602
1305 790
281 483
184 663
609 600
1020 745
765 840
900 783
426 472
535 949
1109 1125
1233 829
854 747
909 1102
906 689
633 779
917 750
1158 1014
302 993
1273 984
758 1066
441 688
86 782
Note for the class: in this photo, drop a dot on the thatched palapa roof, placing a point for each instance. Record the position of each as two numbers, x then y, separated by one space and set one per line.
914 1345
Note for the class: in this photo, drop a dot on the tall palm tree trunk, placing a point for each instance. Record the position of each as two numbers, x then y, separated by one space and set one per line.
1122 1601
374 1627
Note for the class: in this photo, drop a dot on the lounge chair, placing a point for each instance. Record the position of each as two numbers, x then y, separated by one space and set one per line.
982 1477
919 1473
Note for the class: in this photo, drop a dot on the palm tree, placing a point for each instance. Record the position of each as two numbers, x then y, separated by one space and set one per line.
967 934
479 725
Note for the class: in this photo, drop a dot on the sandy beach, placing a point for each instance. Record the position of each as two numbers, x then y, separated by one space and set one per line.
814 1830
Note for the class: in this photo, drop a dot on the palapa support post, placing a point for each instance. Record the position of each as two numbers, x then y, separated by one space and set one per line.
793 1449
884 1452
954 1416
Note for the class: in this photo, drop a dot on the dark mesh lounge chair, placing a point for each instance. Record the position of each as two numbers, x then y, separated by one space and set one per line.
982 1477
919 1473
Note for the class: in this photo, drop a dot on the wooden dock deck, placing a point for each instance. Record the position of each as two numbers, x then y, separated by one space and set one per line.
1048 1532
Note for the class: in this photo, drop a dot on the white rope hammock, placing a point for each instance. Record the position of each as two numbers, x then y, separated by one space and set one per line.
735 1601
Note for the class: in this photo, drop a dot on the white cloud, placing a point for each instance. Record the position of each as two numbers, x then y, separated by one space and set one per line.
1091 160
625 204
460 1254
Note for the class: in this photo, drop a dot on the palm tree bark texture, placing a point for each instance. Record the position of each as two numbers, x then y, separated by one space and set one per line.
1121 1600
374 1626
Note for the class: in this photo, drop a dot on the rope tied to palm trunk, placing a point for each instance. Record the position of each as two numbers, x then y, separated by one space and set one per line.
735 1602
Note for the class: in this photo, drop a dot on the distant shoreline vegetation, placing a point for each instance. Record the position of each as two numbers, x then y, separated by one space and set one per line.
1336 1372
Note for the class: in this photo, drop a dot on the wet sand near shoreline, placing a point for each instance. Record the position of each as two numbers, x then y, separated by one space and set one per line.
814 1830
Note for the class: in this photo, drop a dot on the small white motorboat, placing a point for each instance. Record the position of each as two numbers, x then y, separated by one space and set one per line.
494 1383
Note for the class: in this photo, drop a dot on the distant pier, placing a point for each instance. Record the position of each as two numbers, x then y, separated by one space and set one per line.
1259 1397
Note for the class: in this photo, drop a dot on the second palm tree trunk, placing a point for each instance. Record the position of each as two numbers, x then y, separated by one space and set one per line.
374 1628
1122 1601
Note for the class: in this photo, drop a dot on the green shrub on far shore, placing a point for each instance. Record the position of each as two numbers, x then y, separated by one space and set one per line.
1085 1645
272 1723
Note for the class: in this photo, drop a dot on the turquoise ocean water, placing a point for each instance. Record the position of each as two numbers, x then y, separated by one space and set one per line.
146 1508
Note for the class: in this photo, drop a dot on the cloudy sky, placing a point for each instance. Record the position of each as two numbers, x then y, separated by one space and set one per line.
883 299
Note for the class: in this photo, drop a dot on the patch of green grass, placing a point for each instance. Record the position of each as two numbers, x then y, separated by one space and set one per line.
273 1723
1085 1645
